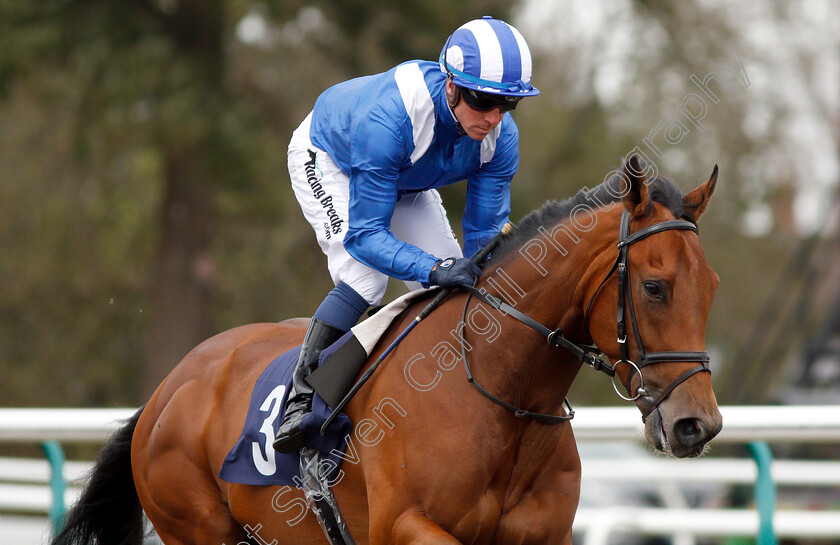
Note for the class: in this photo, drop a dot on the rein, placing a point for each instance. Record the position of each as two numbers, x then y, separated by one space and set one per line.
586 353
505 308
589 354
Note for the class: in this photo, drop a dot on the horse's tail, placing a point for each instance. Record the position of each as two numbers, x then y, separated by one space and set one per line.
108 512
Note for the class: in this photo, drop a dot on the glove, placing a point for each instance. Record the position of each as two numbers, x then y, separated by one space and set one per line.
454 271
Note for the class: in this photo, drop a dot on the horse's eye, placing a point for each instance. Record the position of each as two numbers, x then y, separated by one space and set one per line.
653 289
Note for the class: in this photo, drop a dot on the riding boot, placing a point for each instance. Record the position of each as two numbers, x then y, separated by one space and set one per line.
319 336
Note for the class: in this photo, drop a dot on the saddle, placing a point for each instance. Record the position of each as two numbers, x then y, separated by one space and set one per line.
252 460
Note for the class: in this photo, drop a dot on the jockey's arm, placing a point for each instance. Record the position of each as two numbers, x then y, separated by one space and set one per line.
487 210
377 157
488 192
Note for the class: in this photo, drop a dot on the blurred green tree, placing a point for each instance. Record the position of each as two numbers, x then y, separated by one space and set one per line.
144 158
144 202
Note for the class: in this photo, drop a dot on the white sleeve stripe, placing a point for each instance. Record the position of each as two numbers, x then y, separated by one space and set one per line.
418 103
488 145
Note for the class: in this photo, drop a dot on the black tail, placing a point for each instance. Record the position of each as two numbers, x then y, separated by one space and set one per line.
108 511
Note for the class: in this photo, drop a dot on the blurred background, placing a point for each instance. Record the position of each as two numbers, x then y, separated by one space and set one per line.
145 202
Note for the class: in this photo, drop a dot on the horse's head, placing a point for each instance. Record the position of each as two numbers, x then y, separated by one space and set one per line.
663 289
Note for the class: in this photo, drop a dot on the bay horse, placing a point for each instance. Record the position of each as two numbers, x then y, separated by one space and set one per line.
431 460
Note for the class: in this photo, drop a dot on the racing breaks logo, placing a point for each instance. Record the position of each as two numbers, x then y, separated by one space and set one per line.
334 225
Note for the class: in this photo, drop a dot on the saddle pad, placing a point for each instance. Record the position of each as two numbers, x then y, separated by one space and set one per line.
253 460
370 330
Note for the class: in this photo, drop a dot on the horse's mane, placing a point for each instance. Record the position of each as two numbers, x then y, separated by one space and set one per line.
662 190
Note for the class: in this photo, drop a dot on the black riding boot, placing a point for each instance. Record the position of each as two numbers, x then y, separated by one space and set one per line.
319 336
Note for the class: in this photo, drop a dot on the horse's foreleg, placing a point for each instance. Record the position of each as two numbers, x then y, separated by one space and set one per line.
414 528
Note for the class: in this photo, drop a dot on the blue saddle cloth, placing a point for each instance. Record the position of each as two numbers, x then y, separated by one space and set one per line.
253 460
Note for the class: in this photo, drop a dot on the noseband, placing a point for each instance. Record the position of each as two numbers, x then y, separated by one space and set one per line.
589 354
625 303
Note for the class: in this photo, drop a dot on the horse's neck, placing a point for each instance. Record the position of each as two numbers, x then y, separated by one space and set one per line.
551 290
550 283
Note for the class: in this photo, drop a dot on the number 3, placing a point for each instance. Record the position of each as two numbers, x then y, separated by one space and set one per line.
265 463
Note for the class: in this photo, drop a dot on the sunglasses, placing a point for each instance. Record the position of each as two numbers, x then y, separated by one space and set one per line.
484 102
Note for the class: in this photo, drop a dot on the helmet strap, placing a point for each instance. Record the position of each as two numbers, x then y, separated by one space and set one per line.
456 98
456 95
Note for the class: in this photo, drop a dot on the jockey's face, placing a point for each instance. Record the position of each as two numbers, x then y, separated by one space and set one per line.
477 124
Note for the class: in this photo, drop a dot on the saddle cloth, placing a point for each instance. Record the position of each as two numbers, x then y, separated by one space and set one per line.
253 460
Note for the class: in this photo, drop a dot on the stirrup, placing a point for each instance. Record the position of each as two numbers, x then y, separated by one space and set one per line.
319 497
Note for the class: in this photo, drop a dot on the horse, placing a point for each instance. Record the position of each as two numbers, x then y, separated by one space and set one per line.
432 461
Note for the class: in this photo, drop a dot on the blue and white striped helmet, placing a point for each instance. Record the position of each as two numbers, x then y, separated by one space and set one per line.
490 56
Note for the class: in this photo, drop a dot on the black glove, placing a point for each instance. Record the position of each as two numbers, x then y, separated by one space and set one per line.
454 271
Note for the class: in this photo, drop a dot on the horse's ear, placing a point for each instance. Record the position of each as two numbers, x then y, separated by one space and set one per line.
637 199
695 202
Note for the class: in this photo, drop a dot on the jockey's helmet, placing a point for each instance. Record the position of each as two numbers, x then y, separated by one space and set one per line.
489 56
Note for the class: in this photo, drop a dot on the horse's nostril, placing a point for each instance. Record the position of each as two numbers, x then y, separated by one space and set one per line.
690 431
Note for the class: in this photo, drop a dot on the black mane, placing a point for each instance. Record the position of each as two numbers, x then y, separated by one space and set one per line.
662 190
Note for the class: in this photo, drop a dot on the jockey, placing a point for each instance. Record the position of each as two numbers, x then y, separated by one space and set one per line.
364 166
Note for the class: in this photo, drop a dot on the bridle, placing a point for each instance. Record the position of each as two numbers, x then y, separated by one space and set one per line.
590 354
625 303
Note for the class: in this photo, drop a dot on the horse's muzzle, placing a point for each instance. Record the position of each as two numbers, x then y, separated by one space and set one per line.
691 435
685 437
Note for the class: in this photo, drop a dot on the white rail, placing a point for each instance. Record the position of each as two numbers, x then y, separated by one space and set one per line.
709 470
73 425
741 424
599 524
23 482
